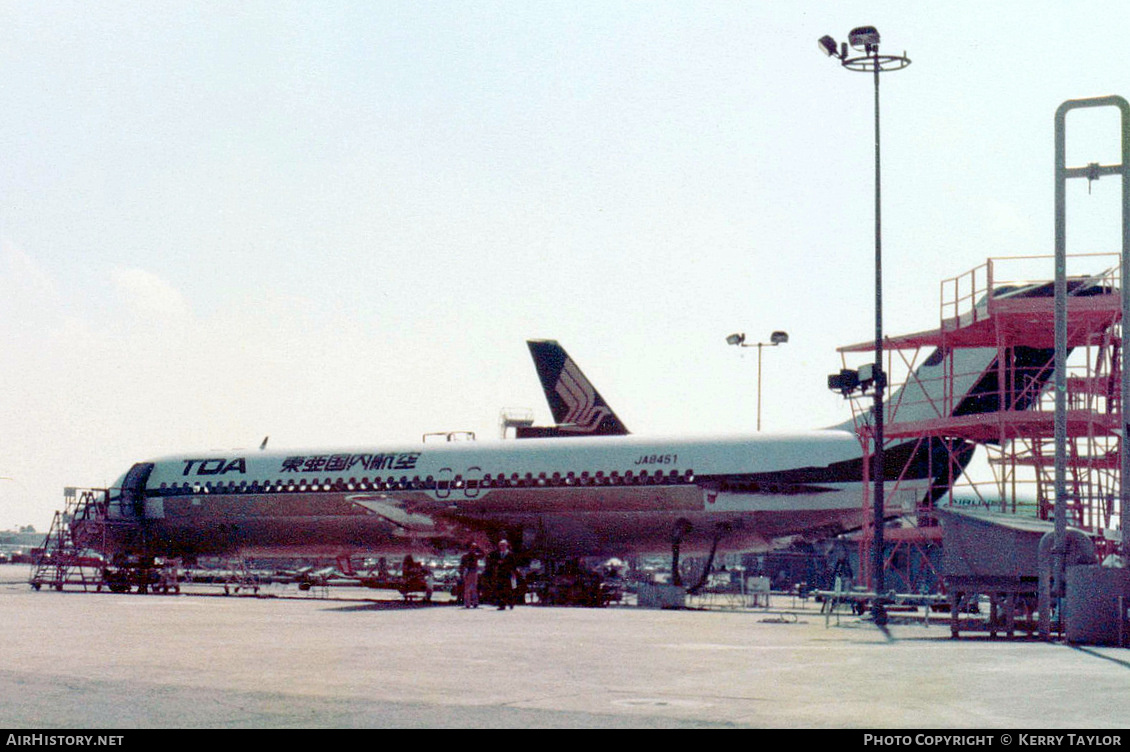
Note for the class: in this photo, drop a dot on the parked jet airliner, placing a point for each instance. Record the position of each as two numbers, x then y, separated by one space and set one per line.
606 492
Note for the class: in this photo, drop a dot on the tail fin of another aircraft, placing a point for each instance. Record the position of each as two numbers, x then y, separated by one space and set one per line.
967 380
578 409
983 380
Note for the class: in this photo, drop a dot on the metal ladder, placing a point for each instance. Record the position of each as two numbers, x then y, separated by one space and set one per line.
62 562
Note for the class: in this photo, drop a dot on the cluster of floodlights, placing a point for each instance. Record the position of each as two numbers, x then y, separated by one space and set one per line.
849 381
776 338
863 39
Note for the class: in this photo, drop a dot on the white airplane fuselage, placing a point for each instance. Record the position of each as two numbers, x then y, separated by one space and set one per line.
608 492
570 496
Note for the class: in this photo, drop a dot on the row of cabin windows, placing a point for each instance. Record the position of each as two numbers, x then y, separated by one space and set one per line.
392 483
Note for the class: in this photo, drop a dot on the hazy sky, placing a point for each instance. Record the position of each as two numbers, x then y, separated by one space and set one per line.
338 223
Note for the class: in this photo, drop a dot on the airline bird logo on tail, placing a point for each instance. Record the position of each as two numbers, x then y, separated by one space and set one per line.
584 413
578 409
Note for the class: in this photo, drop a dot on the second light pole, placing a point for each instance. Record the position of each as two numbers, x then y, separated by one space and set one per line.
865 39
776 338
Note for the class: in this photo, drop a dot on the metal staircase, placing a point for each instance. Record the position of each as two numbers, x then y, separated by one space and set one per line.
62 560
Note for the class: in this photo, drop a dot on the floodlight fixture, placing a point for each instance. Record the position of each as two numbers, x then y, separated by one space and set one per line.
735 339
864 38
779 338
845 382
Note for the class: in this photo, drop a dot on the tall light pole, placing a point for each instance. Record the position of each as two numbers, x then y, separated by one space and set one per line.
865 39
776 338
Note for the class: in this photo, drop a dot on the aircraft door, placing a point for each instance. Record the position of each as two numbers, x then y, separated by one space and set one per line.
444 480
133 489
471 481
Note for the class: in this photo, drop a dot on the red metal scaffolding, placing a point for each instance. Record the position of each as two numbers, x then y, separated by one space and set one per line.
1018 439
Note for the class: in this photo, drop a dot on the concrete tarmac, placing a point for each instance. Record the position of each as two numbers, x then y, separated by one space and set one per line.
74 660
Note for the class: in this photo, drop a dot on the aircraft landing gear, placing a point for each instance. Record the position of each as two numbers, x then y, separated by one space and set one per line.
719 531
682 528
